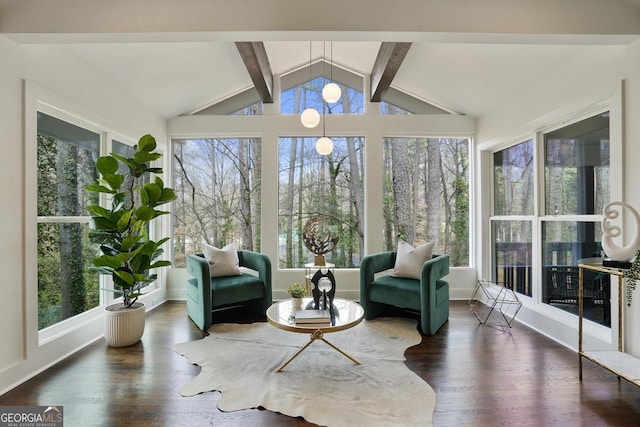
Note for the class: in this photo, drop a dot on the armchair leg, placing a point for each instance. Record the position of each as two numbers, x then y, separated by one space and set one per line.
373 310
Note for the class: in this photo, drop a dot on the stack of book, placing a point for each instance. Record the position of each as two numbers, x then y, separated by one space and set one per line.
313 318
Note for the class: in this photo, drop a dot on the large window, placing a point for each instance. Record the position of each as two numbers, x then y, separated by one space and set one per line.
65 165
423 183
426 194
217 182
575 188
565 244
513 176
512 223
576 177
330 187
309 94
577 167
513 254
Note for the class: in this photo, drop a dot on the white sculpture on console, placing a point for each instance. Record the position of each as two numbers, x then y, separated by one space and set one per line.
609 232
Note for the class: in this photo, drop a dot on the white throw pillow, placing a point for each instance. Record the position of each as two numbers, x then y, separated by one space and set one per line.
222 262
409 260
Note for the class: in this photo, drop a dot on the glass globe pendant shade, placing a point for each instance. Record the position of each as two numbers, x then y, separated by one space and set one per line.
310 118
324 146
331 93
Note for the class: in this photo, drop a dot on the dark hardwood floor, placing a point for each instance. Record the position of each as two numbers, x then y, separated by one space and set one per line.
482 376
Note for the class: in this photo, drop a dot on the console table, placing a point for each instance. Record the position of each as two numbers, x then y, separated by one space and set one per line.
617 361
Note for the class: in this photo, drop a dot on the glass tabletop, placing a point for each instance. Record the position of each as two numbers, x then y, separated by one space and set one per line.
347 315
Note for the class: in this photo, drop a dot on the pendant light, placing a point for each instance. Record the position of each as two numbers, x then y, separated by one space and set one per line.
324 145
331 92
310 117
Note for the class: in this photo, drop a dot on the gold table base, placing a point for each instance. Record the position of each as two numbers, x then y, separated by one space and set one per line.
317 335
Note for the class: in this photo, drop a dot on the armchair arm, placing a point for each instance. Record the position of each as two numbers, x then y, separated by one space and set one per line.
432 271
435 268
198 267
259 263
372 264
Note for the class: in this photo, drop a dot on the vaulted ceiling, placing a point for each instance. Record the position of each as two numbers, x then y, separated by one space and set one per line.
179 56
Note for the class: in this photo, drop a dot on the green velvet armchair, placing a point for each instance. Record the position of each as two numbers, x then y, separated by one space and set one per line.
429 295
206 294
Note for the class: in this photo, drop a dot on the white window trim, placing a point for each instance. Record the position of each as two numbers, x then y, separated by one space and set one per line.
88 325
568 322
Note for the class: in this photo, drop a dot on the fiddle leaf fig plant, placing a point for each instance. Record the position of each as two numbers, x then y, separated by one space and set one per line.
128 254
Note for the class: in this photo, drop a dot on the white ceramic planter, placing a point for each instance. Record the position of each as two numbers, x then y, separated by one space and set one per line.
123 327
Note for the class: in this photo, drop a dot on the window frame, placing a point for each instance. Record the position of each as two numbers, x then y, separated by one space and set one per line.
361 141
539 217
37 100
470 156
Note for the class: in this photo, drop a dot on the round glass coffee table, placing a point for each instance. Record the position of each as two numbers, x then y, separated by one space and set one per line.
345 315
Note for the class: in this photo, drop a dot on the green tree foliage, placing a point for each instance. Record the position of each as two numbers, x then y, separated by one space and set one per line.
218 190
65 286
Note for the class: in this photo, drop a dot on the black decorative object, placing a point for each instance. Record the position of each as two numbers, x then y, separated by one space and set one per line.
324 289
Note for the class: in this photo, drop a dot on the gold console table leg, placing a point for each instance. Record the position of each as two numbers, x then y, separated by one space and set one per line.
317 335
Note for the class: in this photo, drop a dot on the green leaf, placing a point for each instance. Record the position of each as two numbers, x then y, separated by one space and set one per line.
144 196
107 165
106 261
123 279
95 188
118 201
146 157
109 250
154 192
145 213
102 223
147 143
103 237
161 263
123 222
113 180
99 211
126 161
129 242
140 264
168 195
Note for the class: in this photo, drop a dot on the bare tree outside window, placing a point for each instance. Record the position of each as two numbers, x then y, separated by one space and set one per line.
331 186
426 194
217 182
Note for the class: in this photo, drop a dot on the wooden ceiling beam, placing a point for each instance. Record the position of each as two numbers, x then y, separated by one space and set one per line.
256 61
388 61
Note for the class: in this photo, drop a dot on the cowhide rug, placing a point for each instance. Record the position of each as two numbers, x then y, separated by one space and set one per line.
320 385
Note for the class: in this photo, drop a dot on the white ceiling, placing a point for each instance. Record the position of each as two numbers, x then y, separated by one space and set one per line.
466 73
176 78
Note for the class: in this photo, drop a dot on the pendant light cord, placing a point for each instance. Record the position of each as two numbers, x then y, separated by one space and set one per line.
324 78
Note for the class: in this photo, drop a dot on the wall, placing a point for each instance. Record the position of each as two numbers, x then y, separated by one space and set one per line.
597 75
631 102
67 83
